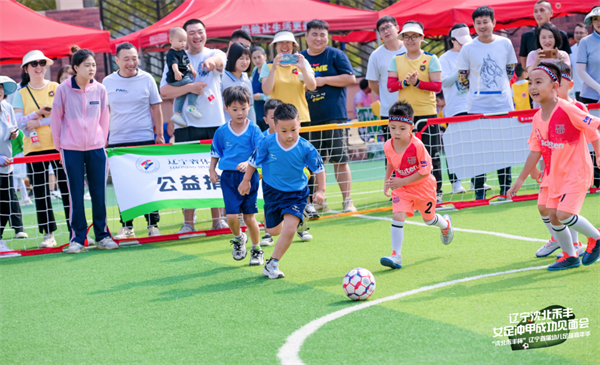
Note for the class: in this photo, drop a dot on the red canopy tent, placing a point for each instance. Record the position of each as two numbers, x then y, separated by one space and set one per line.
23 30
259 17
438 16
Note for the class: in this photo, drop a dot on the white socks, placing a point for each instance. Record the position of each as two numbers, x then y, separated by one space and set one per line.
548 225
438 221
563 236
397 236
582 225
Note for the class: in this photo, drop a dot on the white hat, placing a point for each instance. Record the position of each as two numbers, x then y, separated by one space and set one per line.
588 18
461 35
284 36
9 85
35 56
412 27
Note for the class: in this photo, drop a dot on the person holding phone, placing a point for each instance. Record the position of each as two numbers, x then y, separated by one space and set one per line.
548 43
33 108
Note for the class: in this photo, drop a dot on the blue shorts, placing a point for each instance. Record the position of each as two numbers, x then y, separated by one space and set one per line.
234 202
278 203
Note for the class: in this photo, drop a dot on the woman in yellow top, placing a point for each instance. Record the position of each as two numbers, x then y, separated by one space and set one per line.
33 106
287 82
417 76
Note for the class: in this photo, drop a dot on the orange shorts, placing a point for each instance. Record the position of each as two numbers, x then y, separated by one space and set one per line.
408 203
543 196
569 202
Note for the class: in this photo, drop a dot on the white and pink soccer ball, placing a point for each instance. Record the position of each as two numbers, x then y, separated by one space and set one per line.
359 284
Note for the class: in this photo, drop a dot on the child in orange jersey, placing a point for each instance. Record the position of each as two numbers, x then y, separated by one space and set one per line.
413 187
559 133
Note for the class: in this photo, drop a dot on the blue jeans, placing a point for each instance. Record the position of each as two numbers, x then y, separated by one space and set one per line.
77 164
179 101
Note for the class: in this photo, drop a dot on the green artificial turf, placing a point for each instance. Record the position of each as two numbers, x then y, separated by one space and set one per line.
189 302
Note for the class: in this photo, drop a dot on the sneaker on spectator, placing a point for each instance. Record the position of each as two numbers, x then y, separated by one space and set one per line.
153 231
191 110
440 198
75 247
21 235
256 257
271 270
90 241
178 119
242 223
125 232
186 228
486 187
195 217
457 188
221 224
549 247
107 244
322 207
48 241
25 201
311 211
267 240
87 196
348 206
239 251
4 246
56 194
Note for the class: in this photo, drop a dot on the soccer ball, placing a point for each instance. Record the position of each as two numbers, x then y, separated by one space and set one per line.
359 284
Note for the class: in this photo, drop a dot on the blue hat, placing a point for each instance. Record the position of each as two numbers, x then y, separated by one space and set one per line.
9 85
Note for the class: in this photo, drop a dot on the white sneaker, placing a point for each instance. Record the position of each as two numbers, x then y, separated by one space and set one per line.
87 196
267 240
124 233
178 119
304 236
239 251
21 235
186 228
550 246
311 211
153 231
448 233
48 241
25 202
457 188
56 194
256 257
4 246
107 244
272 271
90 241
578 248
322 207
221 224
348 206
191 110
485 187
75 247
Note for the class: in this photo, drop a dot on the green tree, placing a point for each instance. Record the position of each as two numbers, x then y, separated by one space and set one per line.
39 5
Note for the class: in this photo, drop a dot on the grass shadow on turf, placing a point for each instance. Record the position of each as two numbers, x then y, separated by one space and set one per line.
166 280
241 284
181 258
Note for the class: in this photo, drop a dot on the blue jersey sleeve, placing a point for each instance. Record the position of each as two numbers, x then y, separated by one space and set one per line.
313 159
216 149
260 154
257 137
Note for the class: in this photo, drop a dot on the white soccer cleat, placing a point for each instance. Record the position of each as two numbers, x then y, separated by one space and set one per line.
348 206
448 233
124 233
153 231
457 188
178 119
550 246
392 261
272 271
48 241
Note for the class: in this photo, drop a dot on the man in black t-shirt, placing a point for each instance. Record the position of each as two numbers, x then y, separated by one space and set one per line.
542 12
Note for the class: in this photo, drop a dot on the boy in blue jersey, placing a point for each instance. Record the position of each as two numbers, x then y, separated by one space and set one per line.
283 156
270 107
232 146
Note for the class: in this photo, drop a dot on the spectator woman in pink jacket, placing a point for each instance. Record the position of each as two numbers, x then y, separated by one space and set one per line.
79 124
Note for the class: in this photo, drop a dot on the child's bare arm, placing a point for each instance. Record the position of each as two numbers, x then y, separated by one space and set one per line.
178 75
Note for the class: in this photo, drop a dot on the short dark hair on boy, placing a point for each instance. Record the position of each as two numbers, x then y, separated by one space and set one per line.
483 11
285 112
519 70
236 94
317 24
241 34
386 19
564 68
124 46
272 104
364 83
402 108
555 33
192 22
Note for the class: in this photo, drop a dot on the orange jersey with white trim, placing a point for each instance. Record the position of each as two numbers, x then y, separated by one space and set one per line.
562 140
415 159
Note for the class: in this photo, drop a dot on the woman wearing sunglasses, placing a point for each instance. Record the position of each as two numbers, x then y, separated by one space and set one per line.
33 107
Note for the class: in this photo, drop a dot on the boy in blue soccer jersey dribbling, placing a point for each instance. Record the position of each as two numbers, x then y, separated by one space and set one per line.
232 146
283 156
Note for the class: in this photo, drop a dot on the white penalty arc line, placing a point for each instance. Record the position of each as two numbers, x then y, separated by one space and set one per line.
289 353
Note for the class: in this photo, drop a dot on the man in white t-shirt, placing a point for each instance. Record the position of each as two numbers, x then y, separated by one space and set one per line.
485 67
579 33
209 65
135 116
379 62
456 97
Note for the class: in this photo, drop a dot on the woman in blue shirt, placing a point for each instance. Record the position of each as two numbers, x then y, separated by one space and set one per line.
259 58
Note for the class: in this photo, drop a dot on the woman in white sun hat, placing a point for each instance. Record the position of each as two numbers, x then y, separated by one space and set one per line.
9 206
284 81
33 107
